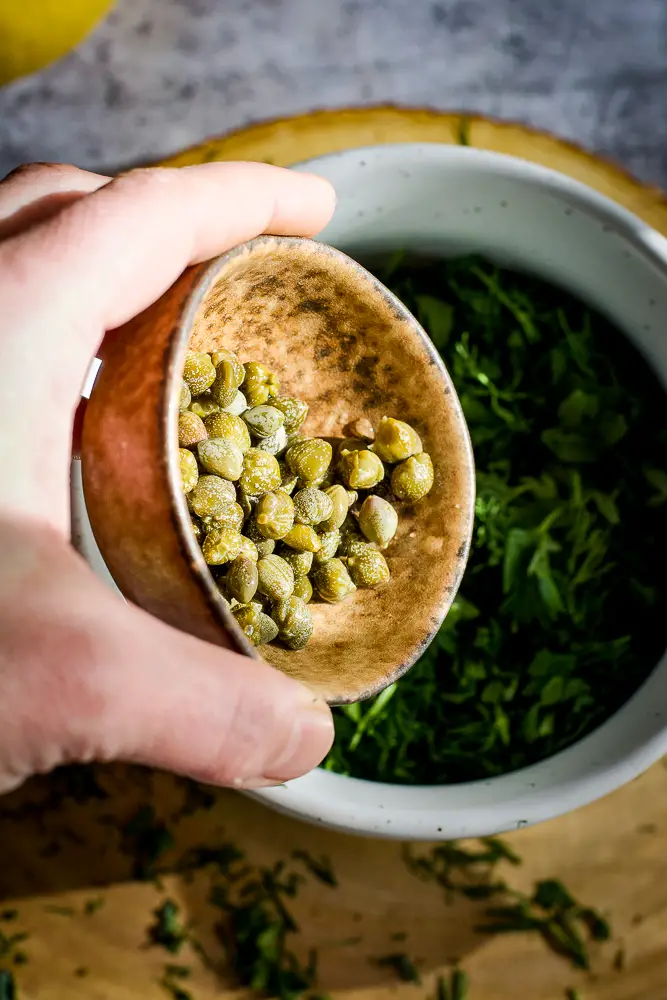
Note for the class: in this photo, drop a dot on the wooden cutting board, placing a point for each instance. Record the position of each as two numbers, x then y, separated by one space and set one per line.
55 851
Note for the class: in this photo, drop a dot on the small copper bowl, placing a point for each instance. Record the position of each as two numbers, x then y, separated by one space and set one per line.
338 339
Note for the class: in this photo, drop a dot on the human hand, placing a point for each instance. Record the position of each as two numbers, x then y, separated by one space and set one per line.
84 676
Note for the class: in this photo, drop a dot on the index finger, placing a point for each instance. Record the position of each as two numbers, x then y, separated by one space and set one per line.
115 251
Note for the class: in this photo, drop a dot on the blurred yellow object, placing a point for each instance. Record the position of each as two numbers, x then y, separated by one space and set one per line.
34 33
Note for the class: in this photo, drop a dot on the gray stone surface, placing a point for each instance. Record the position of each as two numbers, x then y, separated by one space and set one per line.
162 74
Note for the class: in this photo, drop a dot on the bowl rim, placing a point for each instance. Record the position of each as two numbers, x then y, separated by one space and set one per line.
514 799
181 518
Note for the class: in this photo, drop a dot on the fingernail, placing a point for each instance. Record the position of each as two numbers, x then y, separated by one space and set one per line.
308 742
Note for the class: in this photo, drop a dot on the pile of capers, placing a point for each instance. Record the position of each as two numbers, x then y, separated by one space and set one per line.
278 516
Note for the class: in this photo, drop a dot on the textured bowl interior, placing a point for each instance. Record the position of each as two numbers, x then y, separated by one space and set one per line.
450 201
338 340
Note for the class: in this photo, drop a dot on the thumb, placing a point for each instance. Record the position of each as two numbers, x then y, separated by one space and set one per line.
177 703
86 677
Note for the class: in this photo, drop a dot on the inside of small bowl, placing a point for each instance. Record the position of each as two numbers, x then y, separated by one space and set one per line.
337 340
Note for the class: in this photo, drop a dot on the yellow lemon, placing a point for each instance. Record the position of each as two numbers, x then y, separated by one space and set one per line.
34 33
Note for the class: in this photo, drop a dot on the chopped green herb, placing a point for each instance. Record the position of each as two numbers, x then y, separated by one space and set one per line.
403 966
572 994
257 927
7 986
552 912
167 930
8 942
463 135
9 915
558 619
93 905
321 868
146 838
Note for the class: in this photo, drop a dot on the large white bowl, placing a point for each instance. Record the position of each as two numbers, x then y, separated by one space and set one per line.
450 201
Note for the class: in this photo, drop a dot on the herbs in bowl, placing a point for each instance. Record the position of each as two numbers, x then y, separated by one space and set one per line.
559 616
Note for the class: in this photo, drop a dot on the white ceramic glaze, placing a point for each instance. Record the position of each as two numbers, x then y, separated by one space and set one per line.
449 201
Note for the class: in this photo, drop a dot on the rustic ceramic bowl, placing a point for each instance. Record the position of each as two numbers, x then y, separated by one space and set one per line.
449 201
337 339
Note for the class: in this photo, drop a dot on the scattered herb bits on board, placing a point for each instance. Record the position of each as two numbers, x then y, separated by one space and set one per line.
559 617
280 516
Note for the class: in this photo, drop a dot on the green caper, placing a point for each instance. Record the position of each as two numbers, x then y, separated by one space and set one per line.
242 579
246 502
378 521
303 538
413 479
248 549
351 542
221 545
294 410
185 397
309 459
229 515
191 429
333 582
229 375
210 496
274 514
264 420
352 497
189 470
264 546
368 568
301 562
268 630
294 621
221 457
238 371
339 507
361 470
311 506
259 383
289 481
257 626
351 444
303 588
238 405
276 578
197 529
329 544
395 440
198 373
276 444
261 472
231 428
203 406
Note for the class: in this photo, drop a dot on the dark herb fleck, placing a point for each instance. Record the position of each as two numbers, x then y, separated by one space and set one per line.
402 965
167 930
321 868
146 838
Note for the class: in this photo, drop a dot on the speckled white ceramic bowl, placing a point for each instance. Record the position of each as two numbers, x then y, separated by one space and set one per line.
454 200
